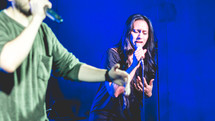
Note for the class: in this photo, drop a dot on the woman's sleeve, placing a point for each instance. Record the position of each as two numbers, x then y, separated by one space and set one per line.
112 58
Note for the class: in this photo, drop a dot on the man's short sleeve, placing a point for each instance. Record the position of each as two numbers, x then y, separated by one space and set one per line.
3 39
65 64
8 29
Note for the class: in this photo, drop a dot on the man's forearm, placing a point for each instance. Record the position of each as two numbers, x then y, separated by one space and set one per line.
91 74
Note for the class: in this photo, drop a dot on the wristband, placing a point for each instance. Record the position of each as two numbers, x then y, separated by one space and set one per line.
107 77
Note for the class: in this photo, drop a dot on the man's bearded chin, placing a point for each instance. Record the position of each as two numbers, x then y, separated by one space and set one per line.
25 12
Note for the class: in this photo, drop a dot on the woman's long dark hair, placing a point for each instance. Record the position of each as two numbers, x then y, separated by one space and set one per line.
126 48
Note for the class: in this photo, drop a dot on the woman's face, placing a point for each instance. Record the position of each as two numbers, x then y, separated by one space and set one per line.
139 34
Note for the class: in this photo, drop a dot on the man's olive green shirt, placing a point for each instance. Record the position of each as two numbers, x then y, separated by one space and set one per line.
22 93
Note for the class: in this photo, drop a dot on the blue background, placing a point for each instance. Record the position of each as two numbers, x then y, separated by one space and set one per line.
185 31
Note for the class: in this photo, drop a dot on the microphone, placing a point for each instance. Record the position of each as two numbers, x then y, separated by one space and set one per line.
143 99
138 45
127 87
53 15
141 62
